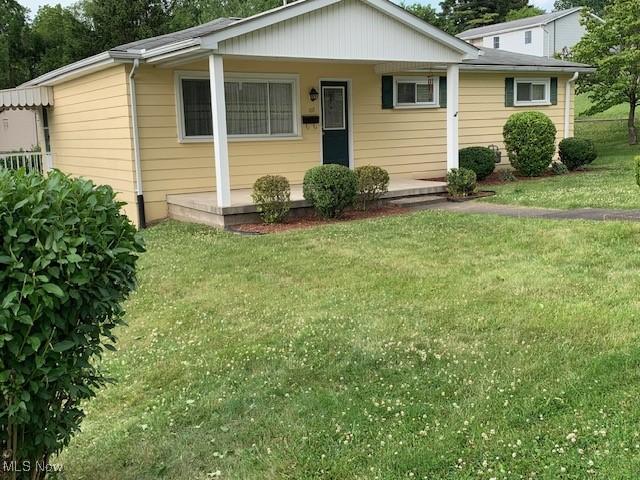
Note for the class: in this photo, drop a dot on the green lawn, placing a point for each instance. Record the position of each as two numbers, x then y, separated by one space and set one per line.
427 346
583 103
609 182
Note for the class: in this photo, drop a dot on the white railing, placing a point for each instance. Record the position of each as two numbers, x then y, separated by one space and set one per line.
30 161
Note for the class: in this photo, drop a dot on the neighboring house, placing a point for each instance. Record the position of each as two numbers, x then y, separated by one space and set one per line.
17 130
543 35
355 82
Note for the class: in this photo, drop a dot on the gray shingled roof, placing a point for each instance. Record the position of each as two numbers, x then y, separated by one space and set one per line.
187 34
495 57
515 24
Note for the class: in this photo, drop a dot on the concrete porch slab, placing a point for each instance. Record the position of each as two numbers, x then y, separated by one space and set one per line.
203 207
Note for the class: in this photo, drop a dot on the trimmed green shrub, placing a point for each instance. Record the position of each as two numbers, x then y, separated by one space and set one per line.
576 152
530 141
373 182
481 160
67 262
330 189
272 196
461 182
637 160
559 168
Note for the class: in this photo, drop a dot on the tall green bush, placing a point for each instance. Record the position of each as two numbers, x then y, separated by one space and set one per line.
330 189
68 261
530 138
637 160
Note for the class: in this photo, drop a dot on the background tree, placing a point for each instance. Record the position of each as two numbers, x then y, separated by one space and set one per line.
61 38
596 6
426 13
524 12
16 45
188 13
460 15
116 22
614 49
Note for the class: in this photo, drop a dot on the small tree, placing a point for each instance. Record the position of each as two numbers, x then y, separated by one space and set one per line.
67 262
614 49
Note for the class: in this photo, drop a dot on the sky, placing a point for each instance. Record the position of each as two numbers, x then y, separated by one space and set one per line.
33 5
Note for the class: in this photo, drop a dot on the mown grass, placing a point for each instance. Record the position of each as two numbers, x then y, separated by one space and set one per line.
608 183
583 103
431 346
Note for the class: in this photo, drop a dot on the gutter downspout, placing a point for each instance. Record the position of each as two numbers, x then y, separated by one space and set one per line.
136 144
567 103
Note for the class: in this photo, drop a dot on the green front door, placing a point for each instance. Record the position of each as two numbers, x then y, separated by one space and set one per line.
335 124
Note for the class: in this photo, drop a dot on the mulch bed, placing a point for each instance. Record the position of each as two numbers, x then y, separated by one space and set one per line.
314 220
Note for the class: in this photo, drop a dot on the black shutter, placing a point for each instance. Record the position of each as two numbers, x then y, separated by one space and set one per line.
508 91
387 91
554 91
443 92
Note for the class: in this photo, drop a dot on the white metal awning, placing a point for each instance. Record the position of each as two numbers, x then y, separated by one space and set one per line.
26 97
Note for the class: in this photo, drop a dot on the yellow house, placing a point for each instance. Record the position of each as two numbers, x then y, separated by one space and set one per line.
183 124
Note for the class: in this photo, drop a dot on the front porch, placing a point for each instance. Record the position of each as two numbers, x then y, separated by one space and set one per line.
204 208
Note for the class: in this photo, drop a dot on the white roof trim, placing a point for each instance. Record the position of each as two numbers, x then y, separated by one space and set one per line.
80 68
302 7
525 27
29 97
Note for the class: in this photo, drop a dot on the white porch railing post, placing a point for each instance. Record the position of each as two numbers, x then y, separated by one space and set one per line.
220 146
453 81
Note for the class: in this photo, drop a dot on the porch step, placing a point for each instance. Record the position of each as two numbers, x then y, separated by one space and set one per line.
417 200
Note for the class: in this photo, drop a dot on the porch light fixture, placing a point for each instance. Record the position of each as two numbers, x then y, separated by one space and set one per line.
313 94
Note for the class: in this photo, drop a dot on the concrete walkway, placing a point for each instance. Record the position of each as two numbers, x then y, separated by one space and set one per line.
601 214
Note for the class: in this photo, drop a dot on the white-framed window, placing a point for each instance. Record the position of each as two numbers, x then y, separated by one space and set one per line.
415 92
527 37
257 106
532 91
496 42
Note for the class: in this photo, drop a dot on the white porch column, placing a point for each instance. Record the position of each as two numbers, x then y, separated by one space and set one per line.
453 80
220 146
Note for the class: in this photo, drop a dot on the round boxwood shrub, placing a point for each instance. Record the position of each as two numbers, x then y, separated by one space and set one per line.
272 196
67 262
576 152
461 182
481 160
559 168
373 182
530 141
330 189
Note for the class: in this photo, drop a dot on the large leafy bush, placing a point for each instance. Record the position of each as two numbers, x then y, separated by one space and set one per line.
330 189
373 182
481 160
67 262
576 152
272 195
530 141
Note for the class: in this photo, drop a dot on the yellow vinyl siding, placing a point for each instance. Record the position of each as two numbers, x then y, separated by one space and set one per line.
408 143
91 131
482 110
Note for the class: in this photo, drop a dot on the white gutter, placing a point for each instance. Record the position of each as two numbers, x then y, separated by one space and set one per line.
567 103
136 143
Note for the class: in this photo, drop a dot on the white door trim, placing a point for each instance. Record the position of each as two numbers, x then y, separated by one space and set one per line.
349 117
